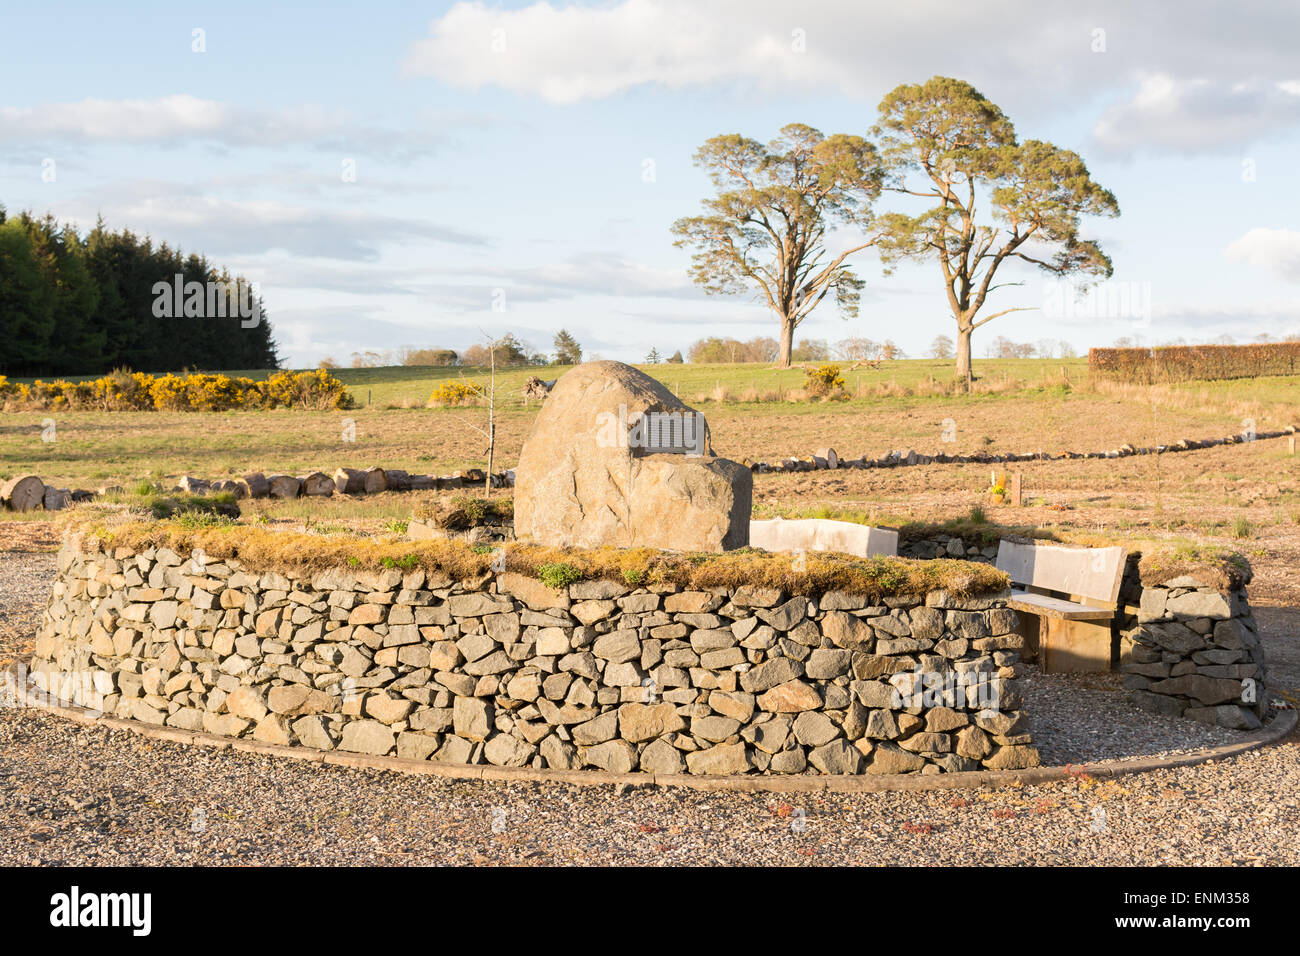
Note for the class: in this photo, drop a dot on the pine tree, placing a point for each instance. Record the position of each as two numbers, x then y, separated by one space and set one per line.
567 349
73 306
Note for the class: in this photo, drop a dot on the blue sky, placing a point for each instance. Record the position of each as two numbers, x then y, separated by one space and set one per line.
501 154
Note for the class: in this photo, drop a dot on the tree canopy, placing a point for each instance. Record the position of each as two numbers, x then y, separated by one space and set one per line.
944 142
979 199
766 227
567 349
73 305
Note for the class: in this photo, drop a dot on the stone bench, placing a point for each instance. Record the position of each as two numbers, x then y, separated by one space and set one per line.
820 534
1067 599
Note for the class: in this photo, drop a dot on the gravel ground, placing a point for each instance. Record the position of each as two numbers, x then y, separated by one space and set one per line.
74 795
1083 718
25 579
95 797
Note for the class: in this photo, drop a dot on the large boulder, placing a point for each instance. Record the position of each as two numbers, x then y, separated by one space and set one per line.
616 459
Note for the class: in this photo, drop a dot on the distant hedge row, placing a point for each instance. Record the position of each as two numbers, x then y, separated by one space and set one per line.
198 392
1179 363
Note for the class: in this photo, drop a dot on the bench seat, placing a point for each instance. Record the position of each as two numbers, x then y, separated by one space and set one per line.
822 534
1047 606
1049 584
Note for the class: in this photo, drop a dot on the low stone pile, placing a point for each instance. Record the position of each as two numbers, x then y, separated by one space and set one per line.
827 458
30 493
345 481
1196 653
949 546
504 670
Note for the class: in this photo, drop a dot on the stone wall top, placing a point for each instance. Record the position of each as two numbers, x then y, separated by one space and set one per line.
454 560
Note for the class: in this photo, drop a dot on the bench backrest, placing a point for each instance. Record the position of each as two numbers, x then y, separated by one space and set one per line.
820 534
1092 573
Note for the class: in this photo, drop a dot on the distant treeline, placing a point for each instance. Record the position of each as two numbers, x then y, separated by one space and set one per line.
509 351
74 305
1175 363
764 349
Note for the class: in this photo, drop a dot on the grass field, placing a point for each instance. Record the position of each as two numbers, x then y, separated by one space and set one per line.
1247 495
405 387
755 412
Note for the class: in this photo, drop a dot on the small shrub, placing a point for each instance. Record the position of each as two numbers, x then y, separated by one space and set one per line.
823 381
194 520
998 489
456 392
464 511
558 575
221 505
315 528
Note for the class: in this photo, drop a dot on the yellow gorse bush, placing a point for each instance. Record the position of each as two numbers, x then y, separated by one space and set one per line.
823 380
456 393
196 392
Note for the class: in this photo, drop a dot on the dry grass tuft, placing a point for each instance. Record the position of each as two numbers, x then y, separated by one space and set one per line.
1211 566
265 550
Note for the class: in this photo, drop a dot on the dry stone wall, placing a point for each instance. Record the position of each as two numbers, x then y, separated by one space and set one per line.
970 548
1194 652
504 670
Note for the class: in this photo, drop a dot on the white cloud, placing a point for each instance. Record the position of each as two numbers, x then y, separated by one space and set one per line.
573 52
585 275
181 119
1197 115
1181 76
1276 250
190 218
165 119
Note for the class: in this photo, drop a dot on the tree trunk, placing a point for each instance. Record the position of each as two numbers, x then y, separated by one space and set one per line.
963 355
258 486
317 485
350 481
491 431
787 343
24 493
285 486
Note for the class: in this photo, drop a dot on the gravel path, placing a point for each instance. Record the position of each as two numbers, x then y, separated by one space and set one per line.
70 794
